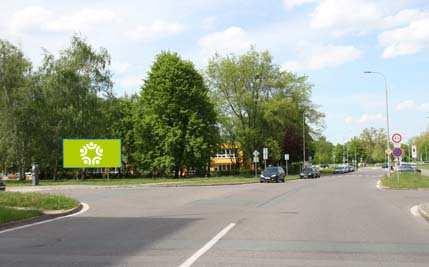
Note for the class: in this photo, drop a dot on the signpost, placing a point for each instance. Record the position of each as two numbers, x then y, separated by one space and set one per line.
396 138
397 151
265 156
414 151
287 159
255 161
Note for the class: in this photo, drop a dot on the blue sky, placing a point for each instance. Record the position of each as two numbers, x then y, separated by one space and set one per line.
331 41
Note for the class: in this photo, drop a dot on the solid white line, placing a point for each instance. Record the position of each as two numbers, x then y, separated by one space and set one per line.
85 208
207 246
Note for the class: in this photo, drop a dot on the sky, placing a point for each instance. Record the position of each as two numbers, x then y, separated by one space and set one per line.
331 41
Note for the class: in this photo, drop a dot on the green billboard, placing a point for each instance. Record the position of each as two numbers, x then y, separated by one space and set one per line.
91 153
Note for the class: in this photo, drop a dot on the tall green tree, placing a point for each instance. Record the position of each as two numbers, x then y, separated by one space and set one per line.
261 101
175 119
73 87
16 95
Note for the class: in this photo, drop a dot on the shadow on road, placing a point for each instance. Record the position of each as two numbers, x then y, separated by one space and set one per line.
86 240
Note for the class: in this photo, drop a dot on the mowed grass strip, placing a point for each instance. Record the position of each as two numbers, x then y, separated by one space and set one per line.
37 201
11 215
216 180
406 181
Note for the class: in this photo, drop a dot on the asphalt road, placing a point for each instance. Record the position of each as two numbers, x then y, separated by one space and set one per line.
339 220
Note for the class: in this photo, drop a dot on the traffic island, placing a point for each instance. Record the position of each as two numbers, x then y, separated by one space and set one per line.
17 209
407 180
424 210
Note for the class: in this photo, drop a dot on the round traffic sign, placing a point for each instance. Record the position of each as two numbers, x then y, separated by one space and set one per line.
397 152
396 138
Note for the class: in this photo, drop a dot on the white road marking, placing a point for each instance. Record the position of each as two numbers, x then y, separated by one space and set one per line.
415 210
191 260
379 186
85 208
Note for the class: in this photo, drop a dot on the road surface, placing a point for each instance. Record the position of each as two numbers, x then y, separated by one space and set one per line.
339 220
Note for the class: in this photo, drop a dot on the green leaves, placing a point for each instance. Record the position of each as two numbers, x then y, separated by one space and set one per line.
175 120
259 103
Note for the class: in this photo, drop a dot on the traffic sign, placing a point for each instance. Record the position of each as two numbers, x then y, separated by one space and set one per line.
265 153
286 156
256 153
414 151
397 152
388 151
397 138
255 159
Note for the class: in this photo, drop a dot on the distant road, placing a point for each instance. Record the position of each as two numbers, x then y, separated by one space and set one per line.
339 220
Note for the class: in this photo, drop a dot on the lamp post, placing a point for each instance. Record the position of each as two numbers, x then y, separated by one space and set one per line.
303 140
387 115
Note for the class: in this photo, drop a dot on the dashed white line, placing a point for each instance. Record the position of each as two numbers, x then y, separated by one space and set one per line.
191 260
85 208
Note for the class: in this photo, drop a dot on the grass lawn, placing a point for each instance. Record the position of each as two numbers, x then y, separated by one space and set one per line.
406 180
216 180
9 214
36 201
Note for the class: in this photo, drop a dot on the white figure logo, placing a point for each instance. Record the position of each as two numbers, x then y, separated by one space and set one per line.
94 160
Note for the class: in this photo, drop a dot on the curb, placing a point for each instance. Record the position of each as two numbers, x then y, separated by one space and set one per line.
137 186
424 210
381 187
45 218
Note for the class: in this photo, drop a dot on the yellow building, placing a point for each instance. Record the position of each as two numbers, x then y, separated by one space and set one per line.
226 159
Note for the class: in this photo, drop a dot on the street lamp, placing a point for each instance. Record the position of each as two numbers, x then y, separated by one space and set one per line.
387 115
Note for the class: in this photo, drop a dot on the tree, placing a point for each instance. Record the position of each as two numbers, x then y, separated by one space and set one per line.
324 150
15 107
69 105
261 101
175 120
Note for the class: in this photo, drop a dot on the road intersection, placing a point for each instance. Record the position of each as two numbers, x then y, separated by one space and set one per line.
332 221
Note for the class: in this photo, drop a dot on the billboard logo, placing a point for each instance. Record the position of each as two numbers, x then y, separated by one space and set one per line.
91 153
86 156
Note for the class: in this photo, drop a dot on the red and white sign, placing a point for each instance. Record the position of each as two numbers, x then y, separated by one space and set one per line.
396 138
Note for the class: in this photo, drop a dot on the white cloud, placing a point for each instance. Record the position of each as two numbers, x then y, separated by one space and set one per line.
131 81
370 118
231 40
29 18
319 57
412 105
82 20
158 29
35 18
405 40
120 67
291 4
365 118
348 119
346 16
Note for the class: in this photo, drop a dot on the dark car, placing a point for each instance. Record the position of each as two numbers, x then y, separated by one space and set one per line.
273 174
2 186
309 172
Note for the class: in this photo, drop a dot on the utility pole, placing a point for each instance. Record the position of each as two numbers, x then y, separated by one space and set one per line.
303 140
387 115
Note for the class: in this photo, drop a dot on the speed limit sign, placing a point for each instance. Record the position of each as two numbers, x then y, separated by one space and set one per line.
396 138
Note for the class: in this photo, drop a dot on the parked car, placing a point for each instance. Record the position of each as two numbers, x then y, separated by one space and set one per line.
340 170
2 186
273 174
407 168
309 172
